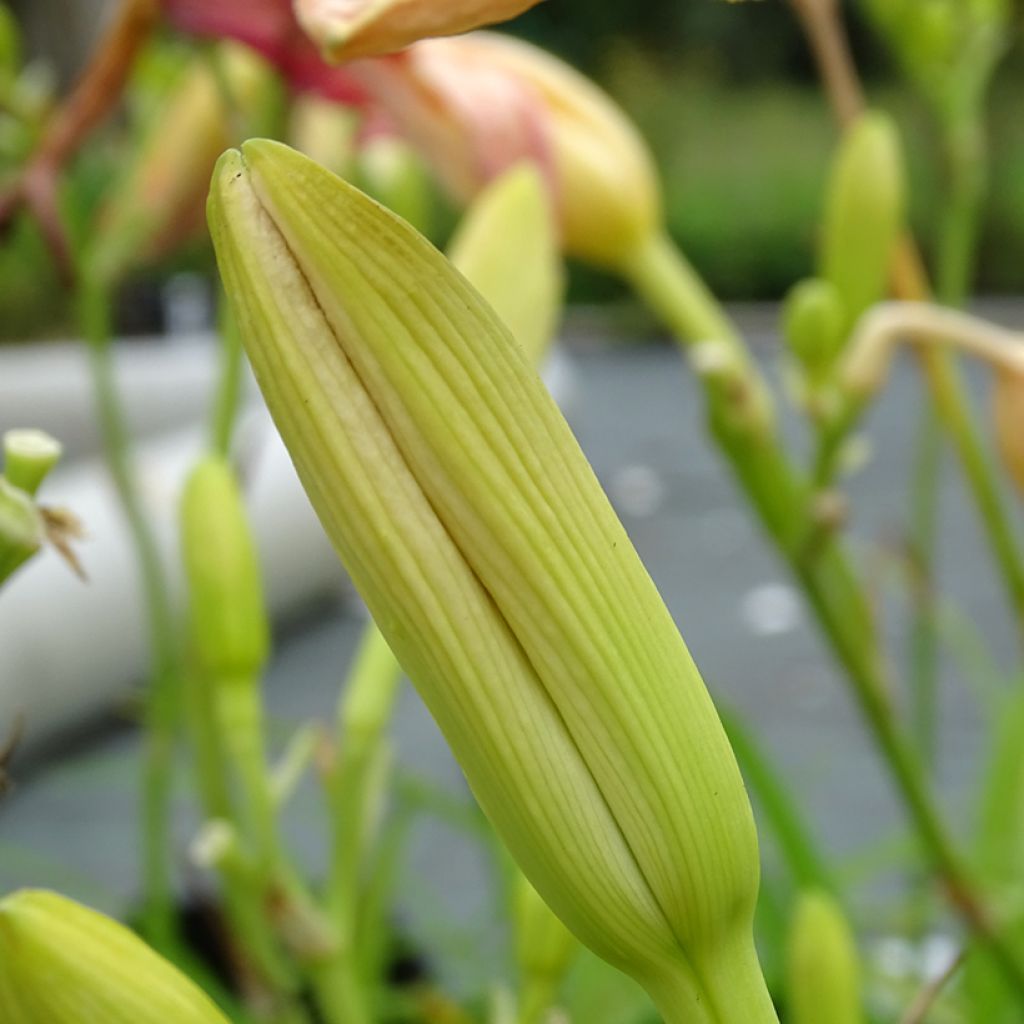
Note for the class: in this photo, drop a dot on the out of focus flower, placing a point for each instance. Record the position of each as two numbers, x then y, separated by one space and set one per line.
270 28
345 29
479 103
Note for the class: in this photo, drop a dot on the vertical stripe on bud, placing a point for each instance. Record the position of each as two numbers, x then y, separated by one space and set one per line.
823 966
495 567
62 963
1008 414
863 213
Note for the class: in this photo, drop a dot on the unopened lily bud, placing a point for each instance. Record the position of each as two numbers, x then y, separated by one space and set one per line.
823 970
493 563
29 455
506 245
325 131
813 324
1008 412
62 963
345 29
863 214
478 104
229 631
159 201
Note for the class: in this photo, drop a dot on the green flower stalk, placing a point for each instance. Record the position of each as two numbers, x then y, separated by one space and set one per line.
486 551
62 963
823 968
863 214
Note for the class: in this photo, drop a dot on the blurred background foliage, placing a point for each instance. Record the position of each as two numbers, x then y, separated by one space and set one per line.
726 95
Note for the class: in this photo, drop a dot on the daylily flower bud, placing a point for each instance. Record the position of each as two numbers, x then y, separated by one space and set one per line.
229 631
391 171
159 200
346 29
62 963
22 531
493 563
863 214
823 969
813 322
1008 412
480 103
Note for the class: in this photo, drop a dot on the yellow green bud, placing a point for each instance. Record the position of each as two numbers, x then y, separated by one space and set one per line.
813 323
229 630
823 970
1008 414
391 171
863 214
507 247
62 963
474 528
29 455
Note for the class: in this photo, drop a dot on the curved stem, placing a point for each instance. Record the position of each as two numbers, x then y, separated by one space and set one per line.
782 500
165 670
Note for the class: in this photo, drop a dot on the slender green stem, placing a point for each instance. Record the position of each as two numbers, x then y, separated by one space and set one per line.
162 697
924 646
799 848
229 390
783 502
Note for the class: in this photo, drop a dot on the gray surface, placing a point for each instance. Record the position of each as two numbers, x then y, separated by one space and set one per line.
637 414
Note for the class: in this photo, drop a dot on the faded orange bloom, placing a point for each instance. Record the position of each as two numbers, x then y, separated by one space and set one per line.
345 29
477 104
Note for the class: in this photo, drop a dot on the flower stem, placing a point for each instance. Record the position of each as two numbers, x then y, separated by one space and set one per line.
161 713
783 501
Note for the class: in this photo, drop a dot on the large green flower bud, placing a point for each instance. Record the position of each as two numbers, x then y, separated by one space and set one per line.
62 963
494 565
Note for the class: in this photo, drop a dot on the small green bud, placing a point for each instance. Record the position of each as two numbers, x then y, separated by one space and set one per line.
470 521
229 630
22 530
62 963
813 322
507 246
863 214
391 171
824 969
29 455
544 950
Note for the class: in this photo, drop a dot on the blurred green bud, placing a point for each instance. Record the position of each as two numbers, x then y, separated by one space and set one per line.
813 322
823 972
29 455
391 171
507 246
61 963
22 530
497 571
229 630
544 950
863 214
